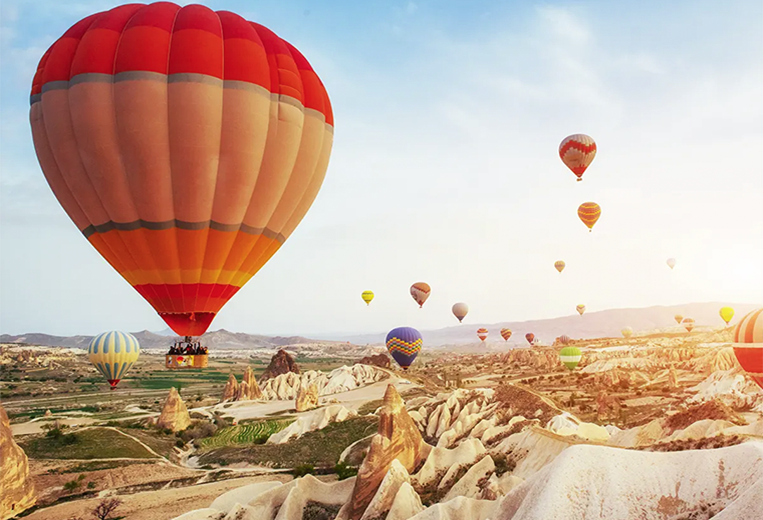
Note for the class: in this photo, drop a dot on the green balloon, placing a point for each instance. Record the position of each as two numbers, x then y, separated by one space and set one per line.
570 357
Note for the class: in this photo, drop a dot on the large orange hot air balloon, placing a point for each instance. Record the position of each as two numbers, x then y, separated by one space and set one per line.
420 291
589 213
185 144
577 152
748 345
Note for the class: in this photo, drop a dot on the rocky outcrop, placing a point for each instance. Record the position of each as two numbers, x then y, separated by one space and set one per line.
342 379
377 360
252 390
307 398
174 414
280 363
316 420
17 491
398 439
230 392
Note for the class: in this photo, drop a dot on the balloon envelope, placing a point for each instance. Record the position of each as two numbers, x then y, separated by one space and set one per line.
460 310
559 265
570 357
530 337
113 354
679 318
580 308
404 344
627 332
420 292
727 314
185 144
506 334
564 339
367 296
577 152
482 333
688 324
671 262
589 213
748 345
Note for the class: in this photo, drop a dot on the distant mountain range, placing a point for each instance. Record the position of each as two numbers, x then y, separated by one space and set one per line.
598 324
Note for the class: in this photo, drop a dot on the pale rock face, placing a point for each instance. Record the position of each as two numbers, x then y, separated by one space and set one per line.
252 390
468 485
407 504
534 448
643 435
399 439
174 414
343 379
316 420
242 495
731 387
17 491
441 460
500 486
230 392
460 508
307 398
567 424
382 501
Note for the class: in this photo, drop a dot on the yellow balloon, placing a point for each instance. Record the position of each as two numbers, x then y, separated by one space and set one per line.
627 332
727 313
367 296
113 353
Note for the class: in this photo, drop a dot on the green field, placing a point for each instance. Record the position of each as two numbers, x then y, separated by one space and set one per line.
93 443
253 433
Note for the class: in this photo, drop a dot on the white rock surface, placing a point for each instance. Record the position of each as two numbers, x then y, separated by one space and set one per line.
382 501
407 504
241 495
468 485
441 460
315 420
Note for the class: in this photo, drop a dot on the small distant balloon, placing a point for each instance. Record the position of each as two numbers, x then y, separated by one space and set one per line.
627 332
679 318
727 314
113 354
482 334
564 339
748 345
688 324
577 152
404 344
367 296
460 310
530 337
671 262
559 265
570 357
420 292
589 213
580 308
506 334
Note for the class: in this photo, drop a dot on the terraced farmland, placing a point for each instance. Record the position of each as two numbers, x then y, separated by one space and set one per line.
252 433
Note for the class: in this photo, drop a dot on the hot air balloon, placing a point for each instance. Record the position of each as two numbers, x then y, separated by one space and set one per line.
420 292
671 262
506 334
589 213
570 357
564 339
679 318
627 332
688 324
580 308
482 334
727 314
460 310
404 344
530 337
113 353
559 264
367 296
577 151
185 144
748 345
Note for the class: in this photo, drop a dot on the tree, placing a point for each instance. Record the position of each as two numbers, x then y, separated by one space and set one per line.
104 509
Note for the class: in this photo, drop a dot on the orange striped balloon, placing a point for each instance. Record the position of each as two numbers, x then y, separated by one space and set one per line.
186 145
748 345
577 152
688 324
506 334
420 291
482 333
589 213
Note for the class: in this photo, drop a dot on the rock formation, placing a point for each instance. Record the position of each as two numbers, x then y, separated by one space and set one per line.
230 392
310 422
307 398
174 414
342 379
253 391
377 360
673 377
398 439
280 363
16 488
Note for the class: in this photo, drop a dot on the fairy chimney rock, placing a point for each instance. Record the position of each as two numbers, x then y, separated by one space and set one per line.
280 363
17 489
307 397
253 390
230 392
174 414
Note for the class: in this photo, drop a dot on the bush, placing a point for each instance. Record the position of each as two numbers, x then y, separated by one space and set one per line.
344 471
91 485
302 470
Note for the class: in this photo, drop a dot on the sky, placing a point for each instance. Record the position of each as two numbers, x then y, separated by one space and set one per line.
448 118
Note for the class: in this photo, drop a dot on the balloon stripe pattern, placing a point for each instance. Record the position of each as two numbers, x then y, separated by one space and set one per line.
589 213
570 357
506 334
185 144
420 292
482 334
688 324
577 152
580 308
367 296
559 265
113 354
404 344
748 345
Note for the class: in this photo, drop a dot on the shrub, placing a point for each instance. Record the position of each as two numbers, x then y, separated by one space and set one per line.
344 471
302 470
91 485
